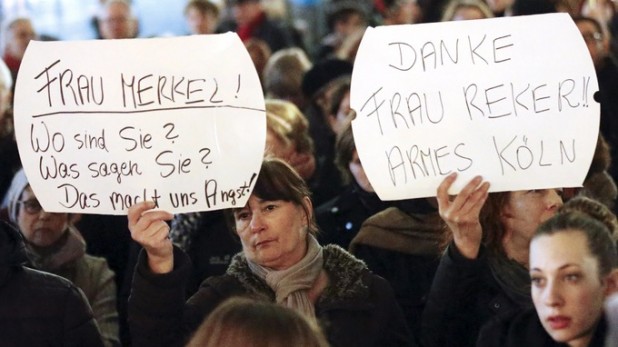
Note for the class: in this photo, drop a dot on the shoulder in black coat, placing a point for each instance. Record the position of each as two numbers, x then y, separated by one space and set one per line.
523 328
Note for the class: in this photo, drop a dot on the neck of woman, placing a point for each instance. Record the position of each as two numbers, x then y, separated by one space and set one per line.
518 251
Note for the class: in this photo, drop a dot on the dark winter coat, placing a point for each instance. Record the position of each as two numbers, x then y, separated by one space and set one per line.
357 308
38 308
341 218
525 329
208 242
464 296
405 250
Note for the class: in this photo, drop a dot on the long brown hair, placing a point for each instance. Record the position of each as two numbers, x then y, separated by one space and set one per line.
491 221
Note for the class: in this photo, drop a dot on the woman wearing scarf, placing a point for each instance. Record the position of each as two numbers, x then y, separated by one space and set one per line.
484 271
573 271
281 262
54 245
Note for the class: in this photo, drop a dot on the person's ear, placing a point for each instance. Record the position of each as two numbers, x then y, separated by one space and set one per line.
506 216
611 283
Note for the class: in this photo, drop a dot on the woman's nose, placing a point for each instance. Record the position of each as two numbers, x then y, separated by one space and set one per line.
257 222
44 215
552 296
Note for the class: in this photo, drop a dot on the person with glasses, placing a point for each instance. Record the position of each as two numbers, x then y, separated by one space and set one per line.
54 245
117 21
17 34
597 42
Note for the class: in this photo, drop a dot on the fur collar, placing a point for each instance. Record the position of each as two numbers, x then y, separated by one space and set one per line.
345 275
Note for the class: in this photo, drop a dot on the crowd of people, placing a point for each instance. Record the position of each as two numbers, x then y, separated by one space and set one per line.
315 257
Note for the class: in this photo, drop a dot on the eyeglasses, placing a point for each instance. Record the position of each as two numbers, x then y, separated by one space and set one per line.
592 37
115 20
31 206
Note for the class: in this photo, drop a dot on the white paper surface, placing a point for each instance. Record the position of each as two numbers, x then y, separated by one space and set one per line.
510 99
103 124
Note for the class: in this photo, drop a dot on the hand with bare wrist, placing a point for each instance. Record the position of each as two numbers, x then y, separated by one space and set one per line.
149 228
461 213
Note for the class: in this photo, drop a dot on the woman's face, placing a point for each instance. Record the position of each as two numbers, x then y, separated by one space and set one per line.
525 210
273 233
409 12
18 37
40 228
200 22
356 168
498 6
340 121
594 41
566 289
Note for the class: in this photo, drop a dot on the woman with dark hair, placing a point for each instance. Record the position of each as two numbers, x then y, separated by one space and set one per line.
281 262
573 269
483 272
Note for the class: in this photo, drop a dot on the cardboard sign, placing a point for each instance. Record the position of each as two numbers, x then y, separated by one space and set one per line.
510 99
104 124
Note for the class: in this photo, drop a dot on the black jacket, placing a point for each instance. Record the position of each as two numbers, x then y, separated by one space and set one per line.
464 295
38 308
523 328
404 249
356 308
341 218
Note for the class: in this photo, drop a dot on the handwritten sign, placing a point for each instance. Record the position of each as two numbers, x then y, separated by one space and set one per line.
104 124
510 99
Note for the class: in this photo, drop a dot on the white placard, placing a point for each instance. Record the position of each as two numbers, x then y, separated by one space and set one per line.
510 99
103 124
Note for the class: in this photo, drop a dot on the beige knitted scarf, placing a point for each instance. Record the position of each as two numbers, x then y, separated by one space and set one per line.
292 285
